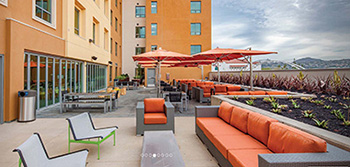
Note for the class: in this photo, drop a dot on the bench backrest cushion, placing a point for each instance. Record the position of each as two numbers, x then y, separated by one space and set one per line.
209 83
225 111
239 118
206 88
154 105
276 93
233 88
220 88
199 84
286 139
258 126
257 93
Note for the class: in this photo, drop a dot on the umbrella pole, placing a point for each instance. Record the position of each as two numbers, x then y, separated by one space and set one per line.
159 74
251 72
202 71
217 64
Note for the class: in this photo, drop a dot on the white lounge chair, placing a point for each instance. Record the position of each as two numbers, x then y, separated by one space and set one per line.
33 153
83 130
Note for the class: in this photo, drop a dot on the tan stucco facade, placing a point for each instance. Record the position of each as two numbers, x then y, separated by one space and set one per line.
130 42
116 36
19 32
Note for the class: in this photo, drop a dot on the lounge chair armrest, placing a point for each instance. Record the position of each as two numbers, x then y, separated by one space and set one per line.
140 110
73 159
83 151
169 110
206 111
107 127
334 157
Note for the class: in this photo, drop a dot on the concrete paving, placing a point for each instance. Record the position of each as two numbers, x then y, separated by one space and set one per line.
126 152
126 107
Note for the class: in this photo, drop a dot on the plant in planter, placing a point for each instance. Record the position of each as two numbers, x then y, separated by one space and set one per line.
277 110
295 104
269 99
308 114
346 122
327 106
250 102
322 124
275 105
338 114
235 98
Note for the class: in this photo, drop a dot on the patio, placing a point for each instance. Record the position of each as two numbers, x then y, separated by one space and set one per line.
52 127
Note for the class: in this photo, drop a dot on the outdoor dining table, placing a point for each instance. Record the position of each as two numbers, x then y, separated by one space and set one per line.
183 96
89 95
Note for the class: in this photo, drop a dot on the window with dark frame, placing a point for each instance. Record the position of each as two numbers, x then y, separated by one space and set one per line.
140 50
76 21
140 32
154 7
153 47
93 32
140 11
116 24
196 49
195 6
195 28
43 9
116 49
154 29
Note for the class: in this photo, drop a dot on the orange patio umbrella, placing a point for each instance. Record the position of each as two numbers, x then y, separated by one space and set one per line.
194 63
226 54
160 56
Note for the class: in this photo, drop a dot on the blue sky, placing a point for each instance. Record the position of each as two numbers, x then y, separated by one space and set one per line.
294 28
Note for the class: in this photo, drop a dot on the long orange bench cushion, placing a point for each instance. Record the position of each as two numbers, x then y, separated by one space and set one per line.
199 84
213 126
206 88
258 126
257 92
225 111
224 143
233 88
209 83
238 93
206 94
154 105
276 93
239 118
246 158
155 118
286 139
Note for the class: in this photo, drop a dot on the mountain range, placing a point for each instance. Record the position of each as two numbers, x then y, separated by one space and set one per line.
307 63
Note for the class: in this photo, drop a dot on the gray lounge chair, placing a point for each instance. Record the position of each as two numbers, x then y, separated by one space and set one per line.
83 130
33 153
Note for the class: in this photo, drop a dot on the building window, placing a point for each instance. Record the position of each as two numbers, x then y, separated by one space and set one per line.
110 73
195 6
196 49
154 7
105 43
140 32
116 73
94 33
116 3
116 24
153 47
195 28
45 12
116 49
111 45
76 21
140 50
154 29
111 17
140 11
96 77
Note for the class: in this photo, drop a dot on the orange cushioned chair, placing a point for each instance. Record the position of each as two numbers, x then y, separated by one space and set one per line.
220 90
231 88
154 114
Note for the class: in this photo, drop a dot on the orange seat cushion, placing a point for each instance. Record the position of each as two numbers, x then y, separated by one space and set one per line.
286 139
206 94
154 105
225 111
239 118
220 88
238 93
246 157
209 83
220 93
258 126
200 84
257 93
224 143
155 118
206 88
213 126
233 88
276 93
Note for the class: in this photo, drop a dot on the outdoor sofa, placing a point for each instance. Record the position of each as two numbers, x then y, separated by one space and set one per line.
154 114
239 137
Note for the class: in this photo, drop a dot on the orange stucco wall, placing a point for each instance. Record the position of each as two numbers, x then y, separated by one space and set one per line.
17 36
185 73
174 20
116 37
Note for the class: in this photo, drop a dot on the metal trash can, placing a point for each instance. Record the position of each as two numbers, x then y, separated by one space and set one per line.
27 111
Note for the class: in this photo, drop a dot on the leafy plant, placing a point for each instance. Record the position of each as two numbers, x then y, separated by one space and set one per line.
347 107
277 110
235 98
322 124
250 102
346 98
346 123
283 107
327 106
252 98
269 99
290 97
317 102
338 114
295 104
275 105
308 114
333 100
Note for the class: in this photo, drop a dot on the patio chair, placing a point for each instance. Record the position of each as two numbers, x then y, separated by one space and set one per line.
154 114
175 98
33 153
83 130
114 101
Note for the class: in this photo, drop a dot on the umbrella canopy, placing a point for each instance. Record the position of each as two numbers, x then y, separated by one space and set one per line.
160 55
154 65
226 54
34 64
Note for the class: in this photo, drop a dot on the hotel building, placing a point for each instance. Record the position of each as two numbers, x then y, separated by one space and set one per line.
179 26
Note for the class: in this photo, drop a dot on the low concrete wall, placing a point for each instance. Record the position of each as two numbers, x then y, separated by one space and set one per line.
311 73
330 137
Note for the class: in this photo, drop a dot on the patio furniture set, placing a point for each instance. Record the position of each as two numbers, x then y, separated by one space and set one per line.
33 153
133 85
